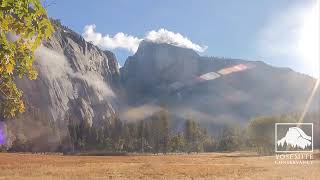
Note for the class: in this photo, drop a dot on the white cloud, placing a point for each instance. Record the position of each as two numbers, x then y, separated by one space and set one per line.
131 43
294 35
165 36
120 40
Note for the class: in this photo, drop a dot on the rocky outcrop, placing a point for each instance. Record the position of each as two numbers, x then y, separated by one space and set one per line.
77 82
154 64
232 98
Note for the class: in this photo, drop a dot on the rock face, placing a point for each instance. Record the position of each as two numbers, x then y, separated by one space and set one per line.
77 82
236 97
157 63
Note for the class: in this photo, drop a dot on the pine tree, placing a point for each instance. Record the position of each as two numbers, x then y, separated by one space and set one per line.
189 133
141 135
165 131
126 137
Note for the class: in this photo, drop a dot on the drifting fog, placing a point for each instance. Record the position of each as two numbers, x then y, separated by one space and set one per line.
57 66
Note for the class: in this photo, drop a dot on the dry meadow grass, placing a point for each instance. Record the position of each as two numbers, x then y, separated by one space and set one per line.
179 166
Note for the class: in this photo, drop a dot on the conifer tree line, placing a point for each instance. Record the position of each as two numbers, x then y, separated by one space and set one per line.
153 135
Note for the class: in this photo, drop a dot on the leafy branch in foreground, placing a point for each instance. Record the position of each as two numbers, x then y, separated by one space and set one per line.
23 26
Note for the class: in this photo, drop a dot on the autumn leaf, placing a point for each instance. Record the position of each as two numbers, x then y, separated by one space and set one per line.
28 20
9 68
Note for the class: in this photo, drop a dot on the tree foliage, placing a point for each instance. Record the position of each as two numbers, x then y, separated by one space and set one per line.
23 25
261 132
196 138
151 135
232 138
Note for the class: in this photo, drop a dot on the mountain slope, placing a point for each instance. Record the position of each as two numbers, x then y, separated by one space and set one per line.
77 82
259 90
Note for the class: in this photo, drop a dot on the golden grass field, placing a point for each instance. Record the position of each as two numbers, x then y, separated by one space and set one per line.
179 166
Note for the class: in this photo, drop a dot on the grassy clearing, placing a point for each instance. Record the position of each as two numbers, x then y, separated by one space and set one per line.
173 166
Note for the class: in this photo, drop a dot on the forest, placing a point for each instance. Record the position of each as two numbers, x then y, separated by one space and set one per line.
156 134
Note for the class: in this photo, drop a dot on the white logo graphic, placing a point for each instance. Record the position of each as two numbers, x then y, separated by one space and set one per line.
295 137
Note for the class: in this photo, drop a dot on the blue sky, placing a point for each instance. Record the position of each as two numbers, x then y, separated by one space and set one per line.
267 30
